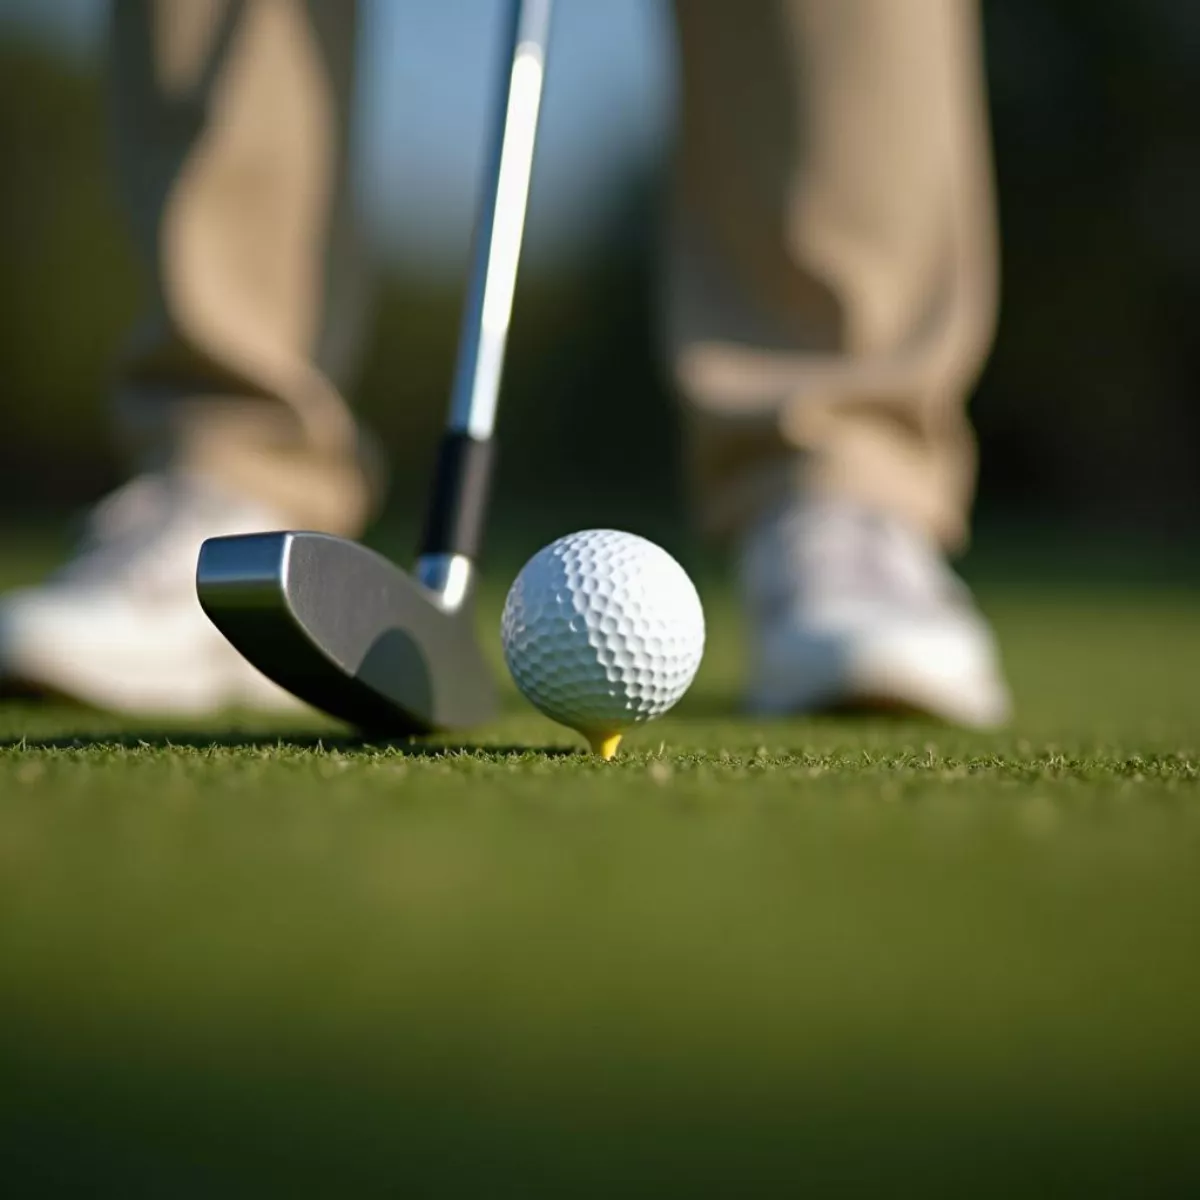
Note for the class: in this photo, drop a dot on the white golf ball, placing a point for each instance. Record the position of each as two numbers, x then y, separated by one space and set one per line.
603 630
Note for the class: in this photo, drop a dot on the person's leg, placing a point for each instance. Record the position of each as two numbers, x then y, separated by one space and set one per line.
231 129
831 277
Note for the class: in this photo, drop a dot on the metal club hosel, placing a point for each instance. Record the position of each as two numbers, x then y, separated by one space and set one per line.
450 577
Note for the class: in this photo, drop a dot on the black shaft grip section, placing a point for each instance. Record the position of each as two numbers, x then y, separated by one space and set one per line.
461 483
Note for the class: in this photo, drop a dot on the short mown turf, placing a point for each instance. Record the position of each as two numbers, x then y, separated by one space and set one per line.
747 957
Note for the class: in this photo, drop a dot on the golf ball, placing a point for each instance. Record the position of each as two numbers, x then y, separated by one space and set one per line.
602 630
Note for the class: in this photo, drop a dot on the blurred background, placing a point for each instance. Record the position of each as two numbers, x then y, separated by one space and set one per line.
1089 414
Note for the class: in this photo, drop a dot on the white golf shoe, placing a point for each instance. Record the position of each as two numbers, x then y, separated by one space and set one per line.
119 627
852 609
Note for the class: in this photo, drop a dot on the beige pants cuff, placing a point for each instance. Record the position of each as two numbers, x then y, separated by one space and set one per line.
831 274
232 127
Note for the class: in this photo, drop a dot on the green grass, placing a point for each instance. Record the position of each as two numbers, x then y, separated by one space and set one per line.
747 957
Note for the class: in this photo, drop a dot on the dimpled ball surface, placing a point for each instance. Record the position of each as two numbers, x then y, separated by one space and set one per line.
603 630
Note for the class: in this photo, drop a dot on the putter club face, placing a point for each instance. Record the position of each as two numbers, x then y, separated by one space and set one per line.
335 623
347 631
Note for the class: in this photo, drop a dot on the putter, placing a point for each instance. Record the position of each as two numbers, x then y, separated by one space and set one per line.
333 622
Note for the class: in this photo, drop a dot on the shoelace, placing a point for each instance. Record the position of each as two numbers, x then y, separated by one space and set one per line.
146 533
833 550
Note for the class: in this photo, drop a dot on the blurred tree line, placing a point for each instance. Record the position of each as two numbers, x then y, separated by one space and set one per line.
1088 412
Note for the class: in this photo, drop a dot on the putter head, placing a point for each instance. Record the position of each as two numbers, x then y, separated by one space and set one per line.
347 631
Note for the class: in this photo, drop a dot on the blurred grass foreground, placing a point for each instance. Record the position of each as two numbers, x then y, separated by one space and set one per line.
746 958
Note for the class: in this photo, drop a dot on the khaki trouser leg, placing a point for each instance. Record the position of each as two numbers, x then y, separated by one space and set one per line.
231 124
831 284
